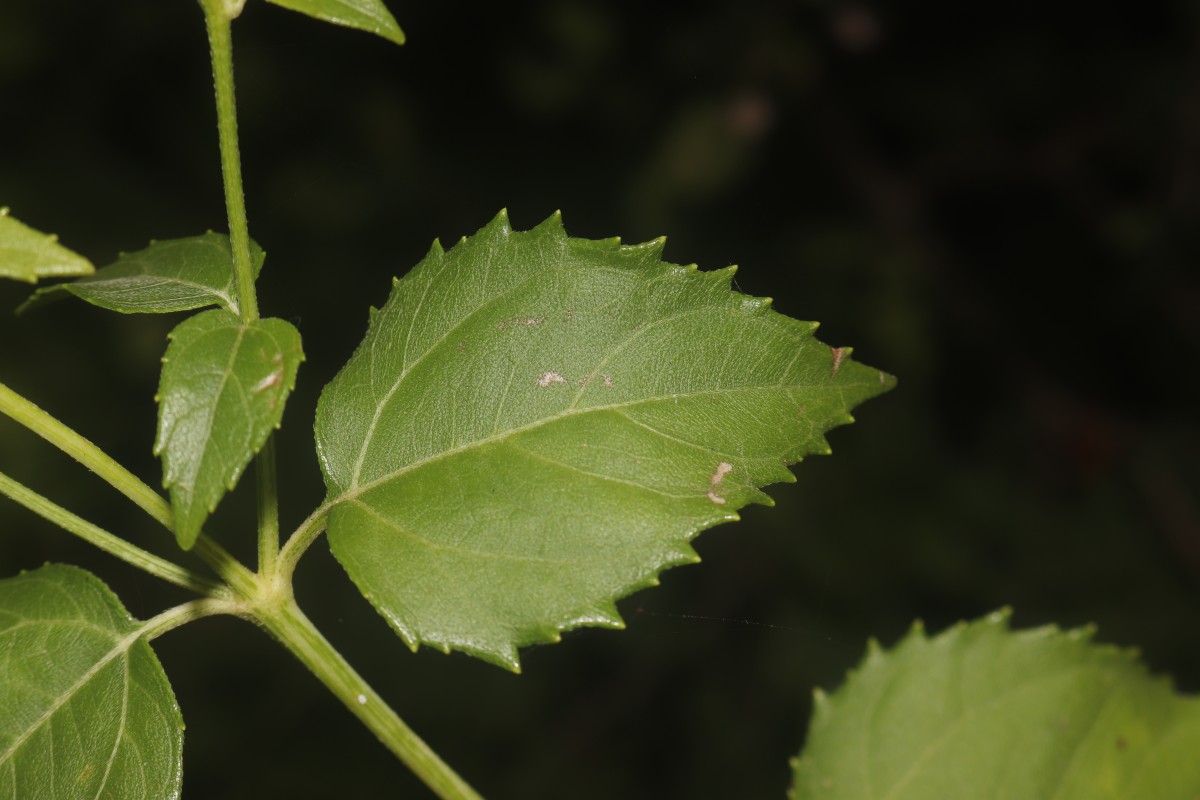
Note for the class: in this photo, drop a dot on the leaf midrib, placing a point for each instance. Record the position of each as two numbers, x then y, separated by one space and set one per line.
120 647
354 491
433 346
407 369
226 374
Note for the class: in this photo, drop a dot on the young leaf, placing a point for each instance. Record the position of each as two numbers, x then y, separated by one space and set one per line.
536 426
85 708
26 254
1033 714
224 385
171 275
365 15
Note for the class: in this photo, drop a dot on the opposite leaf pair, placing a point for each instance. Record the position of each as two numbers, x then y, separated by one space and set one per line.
224 381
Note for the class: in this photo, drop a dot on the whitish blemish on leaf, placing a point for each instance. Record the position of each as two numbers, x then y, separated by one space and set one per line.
529 322
723 469
274 379
362 699
882 378
548 378
839 354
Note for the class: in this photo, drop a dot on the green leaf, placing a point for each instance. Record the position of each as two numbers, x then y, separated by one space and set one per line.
365 15
224 385
1032 714
26 254
537 425
85 708
171 275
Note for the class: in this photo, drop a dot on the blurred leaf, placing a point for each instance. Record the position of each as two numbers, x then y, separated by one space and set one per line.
26 254
536 426
365 15
224 385
981 710
171 275
85 708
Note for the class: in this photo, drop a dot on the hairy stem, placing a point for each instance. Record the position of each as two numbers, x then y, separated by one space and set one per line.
109 543
218 17
289 625
268 508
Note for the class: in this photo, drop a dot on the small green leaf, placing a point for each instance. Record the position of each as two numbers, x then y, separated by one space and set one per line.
171 275
365 15
224 385
85 708
26 254
536 426
980 710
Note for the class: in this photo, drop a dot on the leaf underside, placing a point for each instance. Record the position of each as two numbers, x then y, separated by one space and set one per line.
223 389
982 711
169 275
27 255
371 16
85 708
536 426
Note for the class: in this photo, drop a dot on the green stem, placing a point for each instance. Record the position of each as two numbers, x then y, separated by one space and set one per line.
289 625
268 508
89 455
218 17
301 540
115 545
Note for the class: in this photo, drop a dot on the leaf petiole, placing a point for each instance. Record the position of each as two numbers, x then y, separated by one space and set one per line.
184 613
300 540
45 425
114 545
89 455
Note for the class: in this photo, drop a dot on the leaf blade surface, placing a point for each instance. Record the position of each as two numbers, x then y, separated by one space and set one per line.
27 254
85 708
371 16
536 425
979 709
223 390
168 276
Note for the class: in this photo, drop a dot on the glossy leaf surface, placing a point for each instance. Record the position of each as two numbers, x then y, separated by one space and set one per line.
982 711
85 708
536 426
27 254
169 275
365 15
224 385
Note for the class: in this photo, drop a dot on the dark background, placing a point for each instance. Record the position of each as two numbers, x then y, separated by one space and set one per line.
998 208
